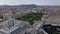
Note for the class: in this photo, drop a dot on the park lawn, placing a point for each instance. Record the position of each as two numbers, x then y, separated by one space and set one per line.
31 17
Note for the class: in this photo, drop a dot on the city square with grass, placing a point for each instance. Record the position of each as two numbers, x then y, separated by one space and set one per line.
31 17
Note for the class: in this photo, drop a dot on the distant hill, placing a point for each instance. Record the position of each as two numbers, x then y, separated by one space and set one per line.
29 6
19 6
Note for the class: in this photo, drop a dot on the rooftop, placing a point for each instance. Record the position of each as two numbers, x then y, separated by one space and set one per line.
11 25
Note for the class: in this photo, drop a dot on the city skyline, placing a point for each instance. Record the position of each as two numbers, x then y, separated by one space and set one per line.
38 2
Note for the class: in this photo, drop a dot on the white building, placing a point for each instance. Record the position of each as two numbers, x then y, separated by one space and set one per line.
13 26
36 28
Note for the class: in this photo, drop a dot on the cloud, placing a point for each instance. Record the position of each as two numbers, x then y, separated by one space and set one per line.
38 2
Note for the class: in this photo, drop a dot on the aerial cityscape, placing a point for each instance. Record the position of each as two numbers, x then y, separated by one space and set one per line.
29 17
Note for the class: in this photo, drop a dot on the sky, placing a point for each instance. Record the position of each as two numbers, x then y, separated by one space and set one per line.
38 2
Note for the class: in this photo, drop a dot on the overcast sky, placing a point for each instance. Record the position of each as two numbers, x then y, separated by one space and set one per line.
38 2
